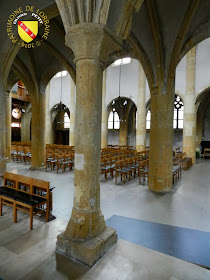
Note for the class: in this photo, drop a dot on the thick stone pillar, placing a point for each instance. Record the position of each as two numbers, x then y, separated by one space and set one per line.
123 133
161 142
141 112
190 114
86 237
72 114
49 129
38 144
199 126
8 105
2 130
104 124
25 126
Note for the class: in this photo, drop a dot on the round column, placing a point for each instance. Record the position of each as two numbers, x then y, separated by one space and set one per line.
86 237
72 115
141 112
38 144
190 114
49 129
8 125
104 124
86 213
161 142
25 126
2 131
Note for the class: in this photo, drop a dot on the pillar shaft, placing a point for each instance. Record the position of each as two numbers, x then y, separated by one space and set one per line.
49 128
141 112
189 130
104 124
123 136
199 130
2 131
8 125
86 237
161 143
72 115
25 126
87 152
38 143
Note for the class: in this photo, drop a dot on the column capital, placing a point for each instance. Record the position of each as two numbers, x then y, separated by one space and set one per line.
92 41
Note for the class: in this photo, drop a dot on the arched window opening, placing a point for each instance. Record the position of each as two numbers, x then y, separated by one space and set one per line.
62 73
148 120
178 113
113 121
122 61
66 121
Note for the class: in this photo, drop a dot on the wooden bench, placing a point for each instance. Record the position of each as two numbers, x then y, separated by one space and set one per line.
185 163
25 194
176 173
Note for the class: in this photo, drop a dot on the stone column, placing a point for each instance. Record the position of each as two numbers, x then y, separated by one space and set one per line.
123 133
49 129
38 144
189 130
199 128
72 114
141 112
86 237
8 125
161 142
104 124
25 126
2 130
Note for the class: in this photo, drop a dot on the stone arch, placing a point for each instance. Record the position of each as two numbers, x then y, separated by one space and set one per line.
199 35
179 94
61 134
125 134
109 106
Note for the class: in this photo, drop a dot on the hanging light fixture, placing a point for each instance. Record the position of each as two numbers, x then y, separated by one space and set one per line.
60 107
119 104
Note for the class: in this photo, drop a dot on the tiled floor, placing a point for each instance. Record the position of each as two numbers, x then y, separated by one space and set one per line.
32 256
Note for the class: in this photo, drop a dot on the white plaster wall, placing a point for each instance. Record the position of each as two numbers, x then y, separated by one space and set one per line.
180 79
55 91
129 82
202 80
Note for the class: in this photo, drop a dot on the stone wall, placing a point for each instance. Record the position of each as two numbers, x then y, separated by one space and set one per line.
113 137
206 125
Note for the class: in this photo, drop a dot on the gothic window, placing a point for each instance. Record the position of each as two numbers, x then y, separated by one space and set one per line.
148 120
178 112
122 61
66 121
113 121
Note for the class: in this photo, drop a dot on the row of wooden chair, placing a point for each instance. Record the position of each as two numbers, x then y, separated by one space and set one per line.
60 161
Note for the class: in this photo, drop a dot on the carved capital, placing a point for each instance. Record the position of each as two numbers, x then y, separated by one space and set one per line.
92 41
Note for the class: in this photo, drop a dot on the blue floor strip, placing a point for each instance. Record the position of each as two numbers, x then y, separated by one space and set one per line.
186 244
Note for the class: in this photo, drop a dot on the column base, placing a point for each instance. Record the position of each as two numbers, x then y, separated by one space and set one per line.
37 168
87 252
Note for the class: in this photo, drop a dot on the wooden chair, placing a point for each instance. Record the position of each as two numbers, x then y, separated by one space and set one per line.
121 170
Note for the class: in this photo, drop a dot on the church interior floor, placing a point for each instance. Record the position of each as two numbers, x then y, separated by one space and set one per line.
142 219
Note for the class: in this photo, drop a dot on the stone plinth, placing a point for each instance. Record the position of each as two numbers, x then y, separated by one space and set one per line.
87 252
